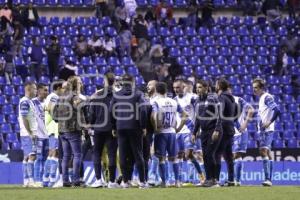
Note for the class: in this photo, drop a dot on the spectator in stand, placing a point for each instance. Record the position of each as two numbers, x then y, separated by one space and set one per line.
293 45
6 13
109 46
3 72
248 7
130 6
18 37
95 45
296 86
68 70
81 47
9 67
281 62
125 41
36 54
271 9
163 14
101 8
4 45
207 10
292 5
150 17
16 13
192 19
140 31
122 15
30 16
53 53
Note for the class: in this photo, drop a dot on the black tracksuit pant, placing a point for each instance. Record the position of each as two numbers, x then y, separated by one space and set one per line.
131 152
209 149
147 141
225 149
101 139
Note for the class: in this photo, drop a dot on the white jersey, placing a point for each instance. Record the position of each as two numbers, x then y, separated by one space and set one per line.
265 111
187 105
27 110
40 117
166 109
152 99
243 106
51 125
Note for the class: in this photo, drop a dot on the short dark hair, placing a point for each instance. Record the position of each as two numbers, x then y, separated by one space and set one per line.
127 78
29 83
110 78
203 83
261 83
161 88
223 84
41 85
57 84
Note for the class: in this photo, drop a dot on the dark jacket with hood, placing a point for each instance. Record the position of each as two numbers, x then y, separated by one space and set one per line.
127 109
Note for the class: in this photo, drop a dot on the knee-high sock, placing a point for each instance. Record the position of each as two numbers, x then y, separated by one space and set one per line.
53 169
271 169
238 166
266 166
176 170
180 166
47 171
38 164
162 171
30 169
25 172
70 174
168 172
197 166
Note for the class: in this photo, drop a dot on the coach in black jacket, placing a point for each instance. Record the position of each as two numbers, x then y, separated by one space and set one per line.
228 116
209 122
100 121
128 119
30 16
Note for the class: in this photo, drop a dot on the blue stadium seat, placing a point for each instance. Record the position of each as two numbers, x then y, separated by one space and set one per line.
238 51
182 42
98 31
86 61
2 100
256 31
196 41
59 31
249 21
106 21
243 31
164 31
177 31
212 51
222 61
113 61
6 128
98 81
2 120
293 143
234 79
142 3
54 21
203 31
79 21
219 3
278 144
190 31
225 51
91 70
16 146
52 2
200 71
85 31
222 41
152 31
90 90
288 134
139 80
289 126
216 31
100 61
169 42
11 137
293 107
72 31
187 70
2 81
199 51
111 31
276 90
42 20
285 117
252 144
65 42
269 31
86 81
248 89
66 21
288 89
182 61
222 21
260 41
15 100
119 71
228 70
263 51
282 31
132 70
247 41
209 41
272 41
248 60
276 135
9 90
262 60
127 61
92 21
237 90
229 31
17 80
235 21
208 60
214 71
47 31
174 52
194 60
241 70
234 60
103 69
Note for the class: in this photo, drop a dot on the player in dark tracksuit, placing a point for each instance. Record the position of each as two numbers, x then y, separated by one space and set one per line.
99 118
127 121
208 121
228 116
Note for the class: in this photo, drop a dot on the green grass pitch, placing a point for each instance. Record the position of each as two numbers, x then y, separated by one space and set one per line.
240 193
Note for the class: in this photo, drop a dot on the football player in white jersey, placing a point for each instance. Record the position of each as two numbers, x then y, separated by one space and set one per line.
51 163
164 112
240 138
185 144
42 142
268 112
28 131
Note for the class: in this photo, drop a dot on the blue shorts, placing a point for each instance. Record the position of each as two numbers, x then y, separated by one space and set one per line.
27 146
198 145
42 148
240 143
266 139
184 141
53 142
165 144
